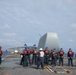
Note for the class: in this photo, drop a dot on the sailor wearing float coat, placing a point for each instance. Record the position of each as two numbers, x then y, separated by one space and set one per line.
40 59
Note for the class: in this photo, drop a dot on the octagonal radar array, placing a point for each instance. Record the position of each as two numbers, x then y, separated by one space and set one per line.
49 40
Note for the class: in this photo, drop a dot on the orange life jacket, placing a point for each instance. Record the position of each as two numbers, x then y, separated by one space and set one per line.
70 52
35 52
46 51
24 52
61 52
28 51
54 52
0 52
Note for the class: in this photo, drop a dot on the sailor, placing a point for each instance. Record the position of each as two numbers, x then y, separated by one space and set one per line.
75 59
54 57
40 59
35 54
70 57
75 55
31 56
61 56
28 54
0 55
46 56
25 59
22 57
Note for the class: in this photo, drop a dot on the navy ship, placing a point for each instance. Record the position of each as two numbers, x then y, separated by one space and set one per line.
11 66
11 62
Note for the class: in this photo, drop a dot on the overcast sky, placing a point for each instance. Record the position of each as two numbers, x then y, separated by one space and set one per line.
23 21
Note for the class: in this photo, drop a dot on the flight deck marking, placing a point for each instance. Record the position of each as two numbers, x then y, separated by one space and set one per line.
68 71
2 73
48 68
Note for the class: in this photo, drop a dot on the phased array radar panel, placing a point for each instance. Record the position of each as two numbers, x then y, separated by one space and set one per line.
49 40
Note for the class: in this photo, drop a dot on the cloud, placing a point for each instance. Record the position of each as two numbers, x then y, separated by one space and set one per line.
1 40
73 29
9 34
71 40
73 26
13 42
10 41
6 26
71 1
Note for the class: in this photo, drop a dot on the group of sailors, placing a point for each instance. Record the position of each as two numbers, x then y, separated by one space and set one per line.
43 57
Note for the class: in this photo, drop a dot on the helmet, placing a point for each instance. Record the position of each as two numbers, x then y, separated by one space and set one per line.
28 47
35 47
46 47
54 49
69 48
61 48
40 49
25 48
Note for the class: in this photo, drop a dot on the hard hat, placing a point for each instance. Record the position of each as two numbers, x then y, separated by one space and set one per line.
25 48
35 47
69 48
46 47
28 47
54 49
40 49
61 48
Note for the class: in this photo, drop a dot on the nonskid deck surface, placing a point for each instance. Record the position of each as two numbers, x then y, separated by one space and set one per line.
10 66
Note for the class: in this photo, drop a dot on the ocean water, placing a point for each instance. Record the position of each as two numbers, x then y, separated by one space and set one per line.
5 53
